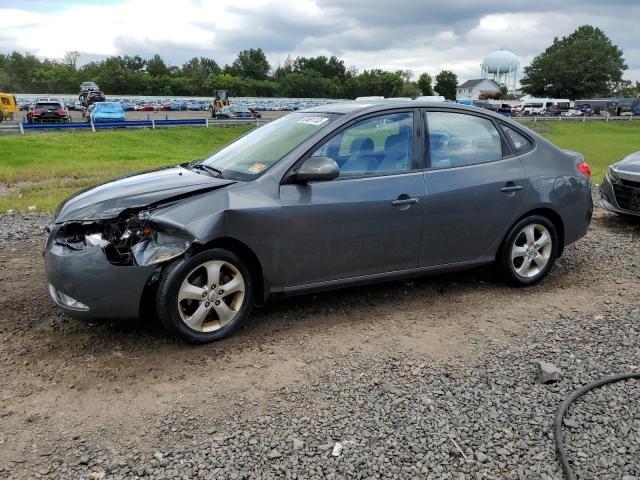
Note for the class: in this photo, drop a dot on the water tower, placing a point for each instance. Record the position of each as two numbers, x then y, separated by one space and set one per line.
501 66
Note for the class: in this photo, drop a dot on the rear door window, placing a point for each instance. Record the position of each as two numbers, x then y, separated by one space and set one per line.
5 101
459 139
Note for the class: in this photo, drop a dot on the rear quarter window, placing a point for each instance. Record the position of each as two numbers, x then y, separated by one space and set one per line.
519 142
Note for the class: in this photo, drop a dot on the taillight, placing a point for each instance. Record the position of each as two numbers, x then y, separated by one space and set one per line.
61 112
37 112
584 168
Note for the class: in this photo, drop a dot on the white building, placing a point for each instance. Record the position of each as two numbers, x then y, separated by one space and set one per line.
472 89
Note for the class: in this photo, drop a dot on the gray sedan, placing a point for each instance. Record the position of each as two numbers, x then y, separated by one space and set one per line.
620 190
337 195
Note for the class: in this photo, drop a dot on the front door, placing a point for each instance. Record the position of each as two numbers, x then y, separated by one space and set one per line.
474 188
369 219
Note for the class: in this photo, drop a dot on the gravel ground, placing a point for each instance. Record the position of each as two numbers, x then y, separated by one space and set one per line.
399 417
434 379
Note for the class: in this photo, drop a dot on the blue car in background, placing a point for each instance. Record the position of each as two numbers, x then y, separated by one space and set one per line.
127 106
178 106
105 112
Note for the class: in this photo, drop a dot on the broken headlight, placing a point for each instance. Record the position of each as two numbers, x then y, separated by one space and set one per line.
159 247
133 240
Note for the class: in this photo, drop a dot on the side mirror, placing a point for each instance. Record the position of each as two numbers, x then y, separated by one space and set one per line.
318 169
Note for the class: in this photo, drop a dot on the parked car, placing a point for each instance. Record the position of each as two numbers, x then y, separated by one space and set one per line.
148 107
532 109
127 106
333 196
88 87
236 112
105 112
585 109
95 97
620 189
572 112
178 106
48 110
8 106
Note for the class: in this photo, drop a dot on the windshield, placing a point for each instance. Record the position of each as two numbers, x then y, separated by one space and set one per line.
108 105
48 106
251 155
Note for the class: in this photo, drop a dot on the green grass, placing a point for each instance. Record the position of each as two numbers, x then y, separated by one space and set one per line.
601 143
44 169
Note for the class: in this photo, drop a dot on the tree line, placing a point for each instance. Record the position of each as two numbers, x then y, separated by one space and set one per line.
250 75
581 65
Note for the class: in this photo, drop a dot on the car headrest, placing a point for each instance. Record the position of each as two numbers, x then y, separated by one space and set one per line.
361 145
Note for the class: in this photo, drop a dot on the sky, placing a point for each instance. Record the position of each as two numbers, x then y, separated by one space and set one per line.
418 35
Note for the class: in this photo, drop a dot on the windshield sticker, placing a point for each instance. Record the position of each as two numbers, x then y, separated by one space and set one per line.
257 167
313 120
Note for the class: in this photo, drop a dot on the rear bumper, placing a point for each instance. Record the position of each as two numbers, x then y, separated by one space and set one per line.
108 120
108 291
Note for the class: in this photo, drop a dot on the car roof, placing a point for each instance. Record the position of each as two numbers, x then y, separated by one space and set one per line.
371 106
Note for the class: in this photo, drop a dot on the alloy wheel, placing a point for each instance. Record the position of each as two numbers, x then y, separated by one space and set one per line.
211 296
531 250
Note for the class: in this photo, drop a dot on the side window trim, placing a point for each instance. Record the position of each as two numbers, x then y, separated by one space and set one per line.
427 146
416 152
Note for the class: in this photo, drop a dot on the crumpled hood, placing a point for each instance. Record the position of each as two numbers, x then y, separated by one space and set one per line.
136 191
630 163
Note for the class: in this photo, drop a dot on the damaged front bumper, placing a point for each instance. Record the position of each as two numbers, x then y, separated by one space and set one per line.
107 291
100 269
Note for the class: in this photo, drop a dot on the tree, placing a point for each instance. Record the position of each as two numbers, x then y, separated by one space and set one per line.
156 66
373 83
447 84
71 58
251 63
309 83
327 67
581 65
424 84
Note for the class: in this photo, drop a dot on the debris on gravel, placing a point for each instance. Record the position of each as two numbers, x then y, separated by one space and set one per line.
547 372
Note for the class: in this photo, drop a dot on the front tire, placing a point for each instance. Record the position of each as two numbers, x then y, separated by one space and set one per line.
529 250
205 297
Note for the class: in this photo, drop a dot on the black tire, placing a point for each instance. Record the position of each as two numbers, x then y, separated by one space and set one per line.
172 279
504 256
1 116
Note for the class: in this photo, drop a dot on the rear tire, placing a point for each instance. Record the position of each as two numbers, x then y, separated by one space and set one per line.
529 251
205 297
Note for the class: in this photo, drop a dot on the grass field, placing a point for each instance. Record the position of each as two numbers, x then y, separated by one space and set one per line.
44 169
601 143
41 170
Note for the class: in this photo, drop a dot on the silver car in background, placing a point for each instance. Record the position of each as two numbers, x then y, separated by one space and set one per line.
337 195
620 189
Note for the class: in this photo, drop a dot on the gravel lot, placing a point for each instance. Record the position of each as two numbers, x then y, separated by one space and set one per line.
431 379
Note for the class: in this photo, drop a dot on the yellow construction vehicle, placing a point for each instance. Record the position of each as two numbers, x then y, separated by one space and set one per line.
220 100
8 106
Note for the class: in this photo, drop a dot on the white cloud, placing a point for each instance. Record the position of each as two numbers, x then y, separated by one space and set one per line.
393 34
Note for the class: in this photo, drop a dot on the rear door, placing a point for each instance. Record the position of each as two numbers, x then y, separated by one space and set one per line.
369 219
474 187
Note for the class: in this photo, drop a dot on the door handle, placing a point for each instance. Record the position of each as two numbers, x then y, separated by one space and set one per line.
403 200
511 188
